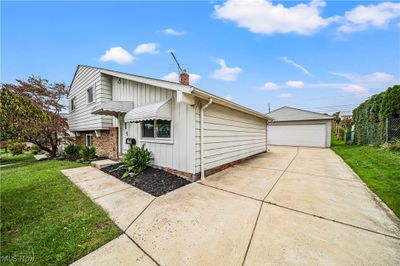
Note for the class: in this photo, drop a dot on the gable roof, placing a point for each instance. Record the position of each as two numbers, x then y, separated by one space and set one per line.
151 81
177 87
287 113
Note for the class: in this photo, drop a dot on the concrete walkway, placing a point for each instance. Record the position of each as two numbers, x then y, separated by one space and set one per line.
289 206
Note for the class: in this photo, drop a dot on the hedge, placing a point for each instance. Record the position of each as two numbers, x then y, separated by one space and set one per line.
369 117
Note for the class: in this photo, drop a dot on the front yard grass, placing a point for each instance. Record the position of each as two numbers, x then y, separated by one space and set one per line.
8 158
47 218
378 168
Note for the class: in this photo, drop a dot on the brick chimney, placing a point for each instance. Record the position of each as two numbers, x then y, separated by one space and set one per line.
184 78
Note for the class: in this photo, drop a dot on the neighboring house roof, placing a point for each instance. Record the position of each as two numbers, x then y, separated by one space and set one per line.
286 113
177 87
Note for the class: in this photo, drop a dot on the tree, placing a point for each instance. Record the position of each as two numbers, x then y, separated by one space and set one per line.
336 117
31 111
390 107
347 122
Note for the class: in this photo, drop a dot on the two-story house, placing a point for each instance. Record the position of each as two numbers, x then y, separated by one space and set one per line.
190 132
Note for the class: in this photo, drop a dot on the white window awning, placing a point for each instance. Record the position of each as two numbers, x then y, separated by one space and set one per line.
113 108
154 111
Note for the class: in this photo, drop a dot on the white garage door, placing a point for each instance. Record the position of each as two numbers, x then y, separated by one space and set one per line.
297 135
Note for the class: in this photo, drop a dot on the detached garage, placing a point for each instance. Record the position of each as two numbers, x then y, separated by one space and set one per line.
296 127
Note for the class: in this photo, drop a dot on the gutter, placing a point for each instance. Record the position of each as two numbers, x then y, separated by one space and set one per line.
218 100
202 137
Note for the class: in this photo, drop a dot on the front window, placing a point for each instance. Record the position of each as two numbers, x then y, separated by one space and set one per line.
156 129
163 129
148 129
89 140
90 95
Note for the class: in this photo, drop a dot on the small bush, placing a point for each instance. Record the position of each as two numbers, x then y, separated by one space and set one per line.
135 160
35 149
71 152
17 148
393 146
88 153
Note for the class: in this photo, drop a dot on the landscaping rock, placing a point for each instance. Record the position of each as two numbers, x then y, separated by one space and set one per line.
40 157
103 163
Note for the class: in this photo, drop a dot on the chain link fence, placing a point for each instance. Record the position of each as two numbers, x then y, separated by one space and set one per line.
377 133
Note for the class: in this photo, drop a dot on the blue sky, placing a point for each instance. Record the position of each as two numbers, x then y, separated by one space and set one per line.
322 56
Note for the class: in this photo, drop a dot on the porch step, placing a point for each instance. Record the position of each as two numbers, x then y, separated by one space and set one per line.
103 163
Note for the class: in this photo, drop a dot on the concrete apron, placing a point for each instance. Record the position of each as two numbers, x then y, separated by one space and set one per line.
272 209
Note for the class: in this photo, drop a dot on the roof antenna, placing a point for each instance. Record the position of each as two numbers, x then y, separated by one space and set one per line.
176 61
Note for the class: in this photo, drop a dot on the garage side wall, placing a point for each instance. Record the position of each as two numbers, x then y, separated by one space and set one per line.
229 135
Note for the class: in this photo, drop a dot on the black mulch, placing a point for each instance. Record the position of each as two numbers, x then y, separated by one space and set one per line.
153 181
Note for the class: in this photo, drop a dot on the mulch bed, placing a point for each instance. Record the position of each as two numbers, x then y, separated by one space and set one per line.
154 181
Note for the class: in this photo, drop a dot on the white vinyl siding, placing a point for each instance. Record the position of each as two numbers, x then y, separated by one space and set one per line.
179 152
229 135
81 118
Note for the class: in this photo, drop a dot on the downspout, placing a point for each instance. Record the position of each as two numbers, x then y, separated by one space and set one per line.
202 137
120 133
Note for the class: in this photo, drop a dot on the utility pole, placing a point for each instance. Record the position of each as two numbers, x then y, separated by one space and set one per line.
269 108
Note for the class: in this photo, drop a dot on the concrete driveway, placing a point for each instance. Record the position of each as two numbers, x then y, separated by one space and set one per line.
289 206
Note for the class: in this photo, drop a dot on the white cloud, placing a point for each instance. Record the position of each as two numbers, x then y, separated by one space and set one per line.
373 80
356 89
228 97
226 73
262 16
194 78
294 64
174 77
170 31
147 48
373 16
285 95
117 55
359 85
270 86
295 84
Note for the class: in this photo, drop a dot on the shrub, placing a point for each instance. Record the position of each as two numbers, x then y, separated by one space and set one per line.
71 152
393 146
88 153
35 149
17 148
135 160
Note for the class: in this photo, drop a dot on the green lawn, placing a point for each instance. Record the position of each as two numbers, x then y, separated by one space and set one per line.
45 217
378 168
7 158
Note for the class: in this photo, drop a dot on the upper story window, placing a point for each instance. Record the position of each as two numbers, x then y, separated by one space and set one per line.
89 93
156 129
72 104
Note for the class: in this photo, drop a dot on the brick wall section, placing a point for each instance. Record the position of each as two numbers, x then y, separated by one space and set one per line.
106 144
208 172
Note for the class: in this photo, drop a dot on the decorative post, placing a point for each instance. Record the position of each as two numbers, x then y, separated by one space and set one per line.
387 129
